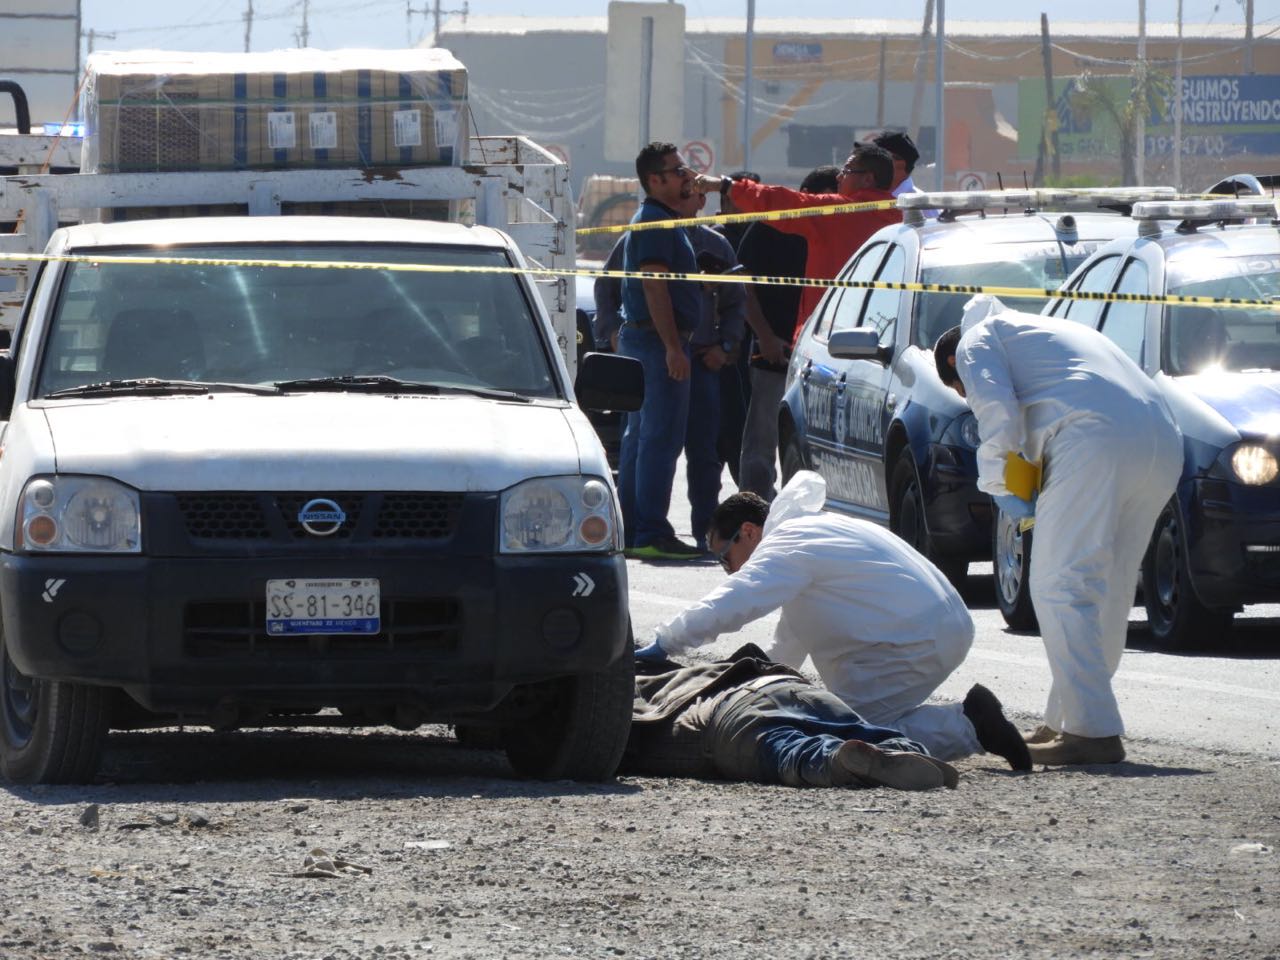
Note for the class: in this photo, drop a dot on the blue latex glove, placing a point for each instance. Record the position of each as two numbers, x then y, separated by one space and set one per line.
1015 508
653 653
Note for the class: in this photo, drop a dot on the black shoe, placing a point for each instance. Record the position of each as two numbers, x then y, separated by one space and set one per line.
996 734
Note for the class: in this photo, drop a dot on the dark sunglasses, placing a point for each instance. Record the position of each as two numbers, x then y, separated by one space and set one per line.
679 170
722 555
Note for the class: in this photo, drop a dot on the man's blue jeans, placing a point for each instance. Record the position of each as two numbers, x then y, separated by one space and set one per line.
788 732
702 459
651 442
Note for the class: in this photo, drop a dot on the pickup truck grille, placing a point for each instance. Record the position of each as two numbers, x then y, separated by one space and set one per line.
370 516
236 629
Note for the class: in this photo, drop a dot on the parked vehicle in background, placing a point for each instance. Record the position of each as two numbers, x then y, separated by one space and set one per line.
1216 546
864 406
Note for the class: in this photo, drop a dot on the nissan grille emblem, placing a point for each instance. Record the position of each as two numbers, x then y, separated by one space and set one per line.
321 517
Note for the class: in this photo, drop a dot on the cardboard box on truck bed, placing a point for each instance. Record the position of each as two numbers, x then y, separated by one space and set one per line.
158 111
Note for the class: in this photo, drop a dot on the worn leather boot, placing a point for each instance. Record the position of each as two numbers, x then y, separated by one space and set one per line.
868 765
1067 749
1041 734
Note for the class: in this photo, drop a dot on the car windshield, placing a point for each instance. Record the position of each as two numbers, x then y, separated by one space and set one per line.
206 323
1199 339
1037 265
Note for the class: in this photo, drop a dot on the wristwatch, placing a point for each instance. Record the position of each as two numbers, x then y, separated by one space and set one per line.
726 184
727 346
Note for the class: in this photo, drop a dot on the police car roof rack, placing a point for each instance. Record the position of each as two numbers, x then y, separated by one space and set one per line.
1193 214
1059 200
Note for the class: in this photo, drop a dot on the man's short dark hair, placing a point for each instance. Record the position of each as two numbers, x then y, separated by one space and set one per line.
745 175
740 508
900 145
877 160
821 180
652 159
943 351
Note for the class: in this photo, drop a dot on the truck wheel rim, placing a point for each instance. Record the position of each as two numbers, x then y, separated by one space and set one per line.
1167 558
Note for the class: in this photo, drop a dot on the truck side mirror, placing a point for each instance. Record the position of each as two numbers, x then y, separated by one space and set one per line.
7 384
607 381
859 344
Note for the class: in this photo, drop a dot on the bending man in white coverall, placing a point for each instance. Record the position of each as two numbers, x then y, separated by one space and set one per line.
882 624
1063 394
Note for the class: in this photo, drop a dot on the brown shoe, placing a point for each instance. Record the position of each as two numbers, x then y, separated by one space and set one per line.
1041 734
870 766
1069 750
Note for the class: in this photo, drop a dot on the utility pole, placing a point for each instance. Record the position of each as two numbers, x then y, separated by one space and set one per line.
1248 36
940 86
1140 125
466 9
248 25
1049 136
1177 107
304 34
884 41
747 95
917 91
92 34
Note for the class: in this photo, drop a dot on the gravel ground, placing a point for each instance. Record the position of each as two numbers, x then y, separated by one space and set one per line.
195 845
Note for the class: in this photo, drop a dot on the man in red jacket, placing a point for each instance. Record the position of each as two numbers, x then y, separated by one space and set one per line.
833 238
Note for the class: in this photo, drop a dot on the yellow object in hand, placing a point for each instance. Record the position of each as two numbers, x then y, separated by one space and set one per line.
1021 476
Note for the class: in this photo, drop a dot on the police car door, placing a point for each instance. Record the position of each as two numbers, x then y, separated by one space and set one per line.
863 401
824 376
833 457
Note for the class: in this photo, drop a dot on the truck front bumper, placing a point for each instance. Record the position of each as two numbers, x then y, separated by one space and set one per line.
188 634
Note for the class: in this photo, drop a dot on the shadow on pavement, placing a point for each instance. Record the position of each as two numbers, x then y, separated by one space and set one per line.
211 766
1126 770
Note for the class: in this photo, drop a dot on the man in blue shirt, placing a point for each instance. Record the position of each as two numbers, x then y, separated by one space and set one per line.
659 318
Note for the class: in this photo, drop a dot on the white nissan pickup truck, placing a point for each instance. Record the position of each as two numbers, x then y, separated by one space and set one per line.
273 492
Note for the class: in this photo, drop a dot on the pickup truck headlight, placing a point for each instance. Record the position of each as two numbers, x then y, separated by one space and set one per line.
79 515
558 515
1254 465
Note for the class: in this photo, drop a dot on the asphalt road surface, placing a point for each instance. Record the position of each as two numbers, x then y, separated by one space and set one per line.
1225 697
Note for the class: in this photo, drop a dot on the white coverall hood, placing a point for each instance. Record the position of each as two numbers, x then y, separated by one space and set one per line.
804 495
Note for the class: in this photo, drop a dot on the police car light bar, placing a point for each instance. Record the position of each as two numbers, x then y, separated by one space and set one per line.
1207 210
1056 199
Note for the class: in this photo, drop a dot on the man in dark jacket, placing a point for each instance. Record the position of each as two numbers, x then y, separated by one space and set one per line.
747 718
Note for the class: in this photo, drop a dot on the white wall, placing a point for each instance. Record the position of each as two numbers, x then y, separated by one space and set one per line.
40 49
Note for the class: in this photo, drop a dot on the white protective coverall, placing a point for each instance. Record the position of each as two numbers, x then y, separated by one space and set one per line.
1063 393
882 624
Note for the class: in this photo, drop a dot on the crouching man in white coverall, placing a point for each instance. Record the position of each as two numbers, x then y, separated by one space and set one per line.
882 624
1063 394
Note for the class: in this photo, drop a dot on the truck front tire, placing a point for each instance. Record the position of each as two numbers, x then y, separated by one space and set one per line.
50 732
582 732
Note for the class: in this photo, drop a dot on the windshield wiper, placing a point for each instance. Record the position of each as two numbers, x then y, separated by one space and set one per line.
156 386
384 384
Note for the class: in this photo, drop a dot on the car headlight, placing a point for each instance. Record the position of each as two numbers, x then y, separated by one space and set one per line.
1254 465
558 515
79 515
963 431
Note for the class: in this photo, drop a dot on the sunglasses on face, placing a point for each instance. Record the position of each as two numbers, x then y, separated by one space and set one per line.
679 170
722 555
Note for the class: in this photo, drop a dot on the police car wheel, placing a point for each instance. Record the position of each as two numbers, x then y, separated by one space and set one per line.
908 520
1011 566
1175 616
581 733
50 732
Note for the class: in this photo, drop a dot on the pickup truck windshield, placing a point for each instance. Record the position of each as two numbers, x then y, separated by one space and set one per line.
226 324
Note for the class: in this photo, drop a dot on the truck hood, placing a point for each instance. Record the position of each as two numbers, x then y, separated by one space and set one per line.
312 441
1250 402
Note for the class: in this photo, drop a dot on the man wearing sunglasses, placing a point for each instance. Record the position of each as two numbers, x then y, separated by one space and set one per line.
833 238
882 624
659 318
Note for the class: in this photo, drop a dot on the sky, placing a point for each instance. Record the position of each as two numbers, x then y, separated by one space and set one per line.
219 24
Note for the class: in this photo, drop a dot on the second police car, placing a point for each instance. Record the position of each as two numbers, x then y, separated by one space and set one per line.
1216 546
864 406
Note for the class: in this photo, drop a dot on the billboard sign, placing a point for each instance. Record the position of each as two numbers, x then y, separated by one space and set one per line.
1222 115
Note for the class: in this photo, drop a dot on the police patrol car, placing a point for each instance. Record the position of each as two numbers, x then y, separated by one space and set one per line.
864 406
1216 546
241 494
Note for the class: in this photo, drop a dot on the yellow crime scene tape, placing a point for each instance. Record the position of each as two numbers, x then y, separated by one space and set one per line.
760 216
1041 293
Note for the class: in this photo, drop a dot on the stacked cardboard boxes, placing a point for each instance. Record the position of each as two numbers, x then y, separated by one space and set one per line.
157 111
